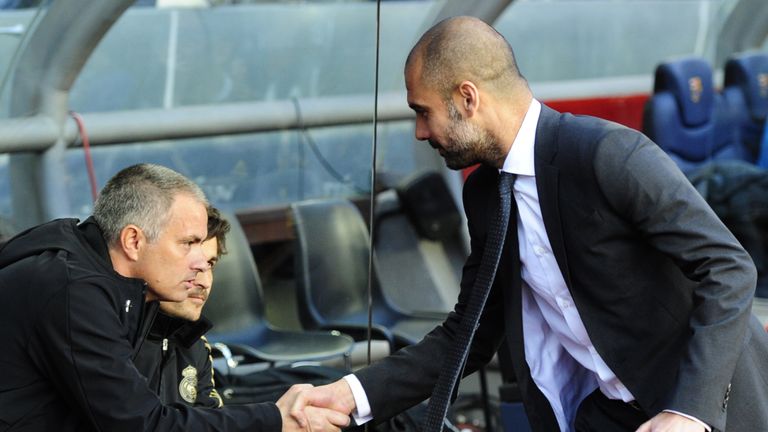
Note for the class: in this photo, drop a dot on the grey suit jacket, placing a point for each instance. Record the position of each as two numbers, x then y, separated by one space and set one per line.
662 286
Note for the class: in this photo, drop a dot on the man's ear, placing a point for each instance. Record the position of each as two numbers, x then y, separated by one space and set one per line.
470 98
132 240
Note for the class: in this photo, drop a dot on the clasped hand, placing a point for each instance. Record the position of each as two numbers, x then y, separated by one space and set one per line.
316 409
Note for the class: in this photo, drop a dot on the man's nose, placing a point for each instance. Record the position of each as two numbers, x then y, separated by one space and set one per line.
199 261
204 279
422 131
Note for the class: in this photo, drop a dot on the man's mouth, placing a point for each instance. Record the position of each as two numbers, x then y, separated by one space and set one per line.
198 297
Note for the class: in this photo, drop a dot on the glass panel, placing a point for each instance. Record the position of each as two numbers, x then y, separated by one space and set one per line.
577 39
155 58
169 58
16 18
245 171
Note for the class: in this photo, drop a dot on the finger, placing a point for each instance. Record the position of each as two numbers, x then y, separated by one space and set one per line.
296 411
334 417
296 407
325 420
309 420
298 388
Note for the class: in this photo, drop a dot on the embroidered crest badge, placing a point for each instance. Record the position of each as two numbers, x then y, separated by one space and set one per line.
696 88
762 81
188 384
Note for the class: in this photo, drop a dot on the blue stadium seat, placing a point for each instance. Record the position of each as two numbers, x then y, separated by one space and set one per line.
762 159
746 91
687 118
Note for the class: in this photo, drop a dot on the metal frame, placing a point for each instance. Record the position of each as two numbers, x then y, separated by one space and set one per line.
47 66
39 133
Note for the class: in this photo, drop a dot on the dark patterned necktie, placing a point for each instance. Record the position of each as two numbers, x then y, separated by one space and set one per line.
453 365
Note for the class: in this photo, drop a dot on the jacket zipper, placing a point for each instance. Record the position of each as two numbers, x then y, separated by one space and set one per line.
163 357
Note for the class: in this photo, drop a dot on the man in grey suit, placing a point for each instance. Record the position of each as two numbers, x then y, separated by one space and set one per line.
625 301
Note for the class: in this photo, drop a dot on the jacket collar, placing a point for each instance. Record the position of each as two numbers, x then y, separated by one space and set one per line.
183 331
91 234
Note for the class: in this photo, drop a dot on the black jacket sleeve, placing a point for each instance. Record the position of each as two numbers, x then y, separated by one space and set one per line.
407 377
81 344
207 396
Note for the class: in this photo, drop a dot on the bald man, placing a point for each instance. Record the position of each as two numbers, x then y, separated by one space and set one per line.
625 301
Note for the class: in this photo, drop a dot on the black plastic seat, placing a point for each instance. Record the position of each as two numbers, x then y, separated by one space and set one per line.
332 250
419 243
236 309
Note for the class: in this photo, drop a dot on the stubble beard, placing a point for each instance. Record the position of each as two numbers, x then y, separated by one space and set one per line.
467 144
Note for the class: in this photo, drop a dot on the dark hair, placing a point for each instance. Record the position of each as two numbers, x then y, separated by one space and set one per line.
218 227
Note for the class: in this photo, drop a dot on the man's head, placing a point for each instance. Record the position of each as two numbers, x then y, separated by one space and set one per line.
154 221
467 92
213 247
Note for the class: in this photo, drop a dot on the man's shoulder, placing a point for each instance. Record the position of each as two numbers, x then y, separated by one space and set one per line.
594 130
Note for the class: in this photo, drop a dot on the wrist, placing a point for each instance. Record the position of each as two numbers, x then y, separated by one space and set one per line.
344 396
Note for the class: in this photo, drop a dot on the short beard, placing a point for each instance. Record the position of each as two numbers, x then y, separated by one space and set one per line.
467 144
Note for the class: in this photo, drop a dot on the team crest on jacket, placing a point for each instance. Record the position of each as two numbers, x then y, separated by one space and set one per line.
188 384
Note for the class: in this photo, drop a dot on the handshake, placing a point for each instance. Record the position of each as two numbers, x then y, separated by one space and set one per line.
316 409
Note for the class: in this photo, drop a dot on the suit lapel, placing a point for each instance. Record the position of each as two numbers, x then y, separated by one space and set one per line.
538 409
547 175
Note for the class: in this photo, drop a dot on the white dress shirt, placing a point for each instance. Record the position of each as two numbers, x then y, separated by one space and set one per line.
563 362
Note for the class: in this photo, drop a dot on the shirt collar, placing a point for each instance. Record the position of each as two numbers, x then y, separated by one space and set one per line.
520 157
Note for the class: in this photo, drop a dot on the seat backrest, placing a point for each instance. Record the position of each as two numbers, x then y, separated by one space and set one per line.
428 202
332 253
746 90
687 118
236 302
419 246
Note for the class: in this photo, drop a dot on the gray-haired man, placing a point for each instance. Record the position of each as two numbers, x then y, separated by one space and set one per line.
73 313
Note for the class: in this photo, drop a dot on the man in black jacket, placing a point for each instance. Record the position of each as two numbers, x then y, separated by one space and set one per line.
73 314
176 357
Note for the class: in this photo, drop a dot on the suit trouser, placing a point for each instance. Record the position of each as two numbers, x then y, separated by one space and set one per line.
597 413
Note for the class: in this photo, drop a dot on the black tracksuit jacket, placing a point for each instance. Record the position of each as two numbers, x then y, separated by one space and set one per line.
70 327
176 360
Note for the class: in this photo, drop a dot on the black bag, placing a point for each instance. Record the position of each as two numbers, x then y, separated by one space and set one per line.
269 384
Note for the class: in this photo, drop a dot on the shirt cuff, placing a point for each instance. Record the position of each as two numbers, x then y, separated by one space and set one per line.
706 426
362 413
